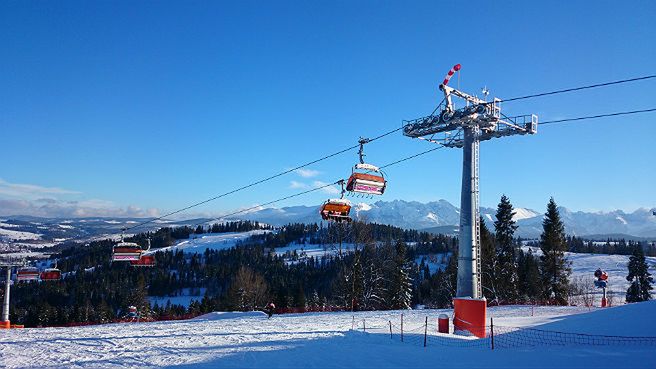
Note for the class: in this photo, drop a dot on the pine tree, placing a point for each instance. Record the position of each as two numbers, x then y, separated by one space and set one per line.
506 273
401 291
639 277
553 265
488 263
528 273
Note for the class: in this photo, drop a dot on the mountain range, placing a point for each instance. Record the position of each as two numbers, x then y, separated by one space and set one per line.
442 216
437 217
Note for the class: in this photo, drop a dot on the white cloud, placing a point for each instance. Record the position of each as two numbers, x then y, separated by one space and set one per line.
30 190
53 208
307 173
55 202
331 190
297 185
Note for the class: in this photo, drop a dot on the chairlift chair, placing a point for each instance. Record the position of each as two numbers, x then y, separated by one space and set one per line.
144 261
336 210
27 274
126 251
51 274
366 178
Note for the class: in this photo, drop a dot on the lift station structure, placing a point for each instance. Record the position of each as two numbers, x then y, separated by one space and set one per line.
465 127
8 264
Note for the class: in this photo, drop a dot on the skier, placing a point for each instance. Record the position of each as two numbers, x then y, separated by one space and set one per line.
269 309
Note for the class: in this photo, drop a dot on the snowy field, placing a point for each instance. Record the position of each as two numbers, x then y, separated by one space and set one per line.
212 241
184 297
17 235
584 265
229 340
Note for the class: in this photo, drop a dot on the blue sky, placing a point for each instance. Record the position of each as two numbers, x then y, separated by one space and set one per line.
112 107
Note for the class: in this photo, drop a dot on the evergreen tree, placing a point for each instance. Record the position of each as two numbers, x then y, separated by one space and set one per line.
401 291
553 265
639 277
506 273
528 273
488 263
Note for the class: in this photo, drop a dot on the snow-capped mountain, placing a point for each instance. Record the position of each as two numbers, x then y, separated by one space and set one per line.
444 216
437 216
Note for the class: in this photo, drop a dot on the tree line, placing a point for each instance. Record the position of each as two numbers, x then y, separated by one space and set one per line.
366 266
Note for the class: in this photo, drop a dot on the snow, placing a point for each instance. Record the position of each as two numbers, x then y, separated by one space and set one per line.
212 241
221 315
184 298
584 265
229 340
434 261
18 235
622 220
363 206
522 213
433 217
312 250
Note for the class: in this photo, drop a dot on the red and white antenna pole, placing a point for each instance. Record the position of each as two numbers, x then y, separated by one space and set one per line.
450 74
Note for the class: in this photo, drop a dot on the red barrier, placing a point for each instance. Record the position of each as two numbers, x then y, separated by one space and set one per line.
470 315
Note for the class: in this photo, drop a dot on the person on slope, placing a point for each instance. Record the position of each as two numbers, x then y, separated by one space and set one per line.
269 309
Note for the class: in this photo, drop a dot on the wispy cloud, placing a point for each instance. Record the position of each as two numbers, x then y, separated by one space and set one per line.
297 185
53 208
55 202
307 173
30 191
331 190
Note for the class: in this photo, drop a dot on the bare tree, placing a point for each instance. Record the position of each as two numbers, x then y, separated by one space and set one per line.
582 291
248 290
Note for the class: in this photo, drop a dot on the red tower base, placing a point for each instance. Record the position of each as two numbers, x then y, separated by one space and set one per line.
5 324
470 316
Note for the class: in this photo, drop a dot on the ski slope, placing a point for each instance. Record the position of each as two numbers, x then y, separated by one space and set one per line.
212 241
584 265
230 340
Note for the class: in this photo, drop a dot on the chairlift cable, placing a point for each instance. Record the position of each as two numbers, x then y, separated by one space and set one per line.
388 133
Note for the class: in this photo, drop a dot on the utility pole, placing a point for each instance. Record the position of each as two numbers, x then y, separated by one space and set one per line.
465 128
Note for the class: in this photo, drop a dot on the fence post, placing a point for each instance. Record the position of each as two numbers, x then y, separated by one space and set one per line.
492 332
364 326
390 323
425 331
401 327
353 323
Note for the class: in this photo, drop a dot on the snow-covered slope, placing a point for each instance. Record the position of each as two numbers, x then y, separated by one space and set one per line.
212 241
325 340
584 265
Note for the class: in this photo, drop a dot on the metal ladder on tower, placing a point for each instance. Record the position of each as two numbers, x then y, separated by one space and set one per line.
477 218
